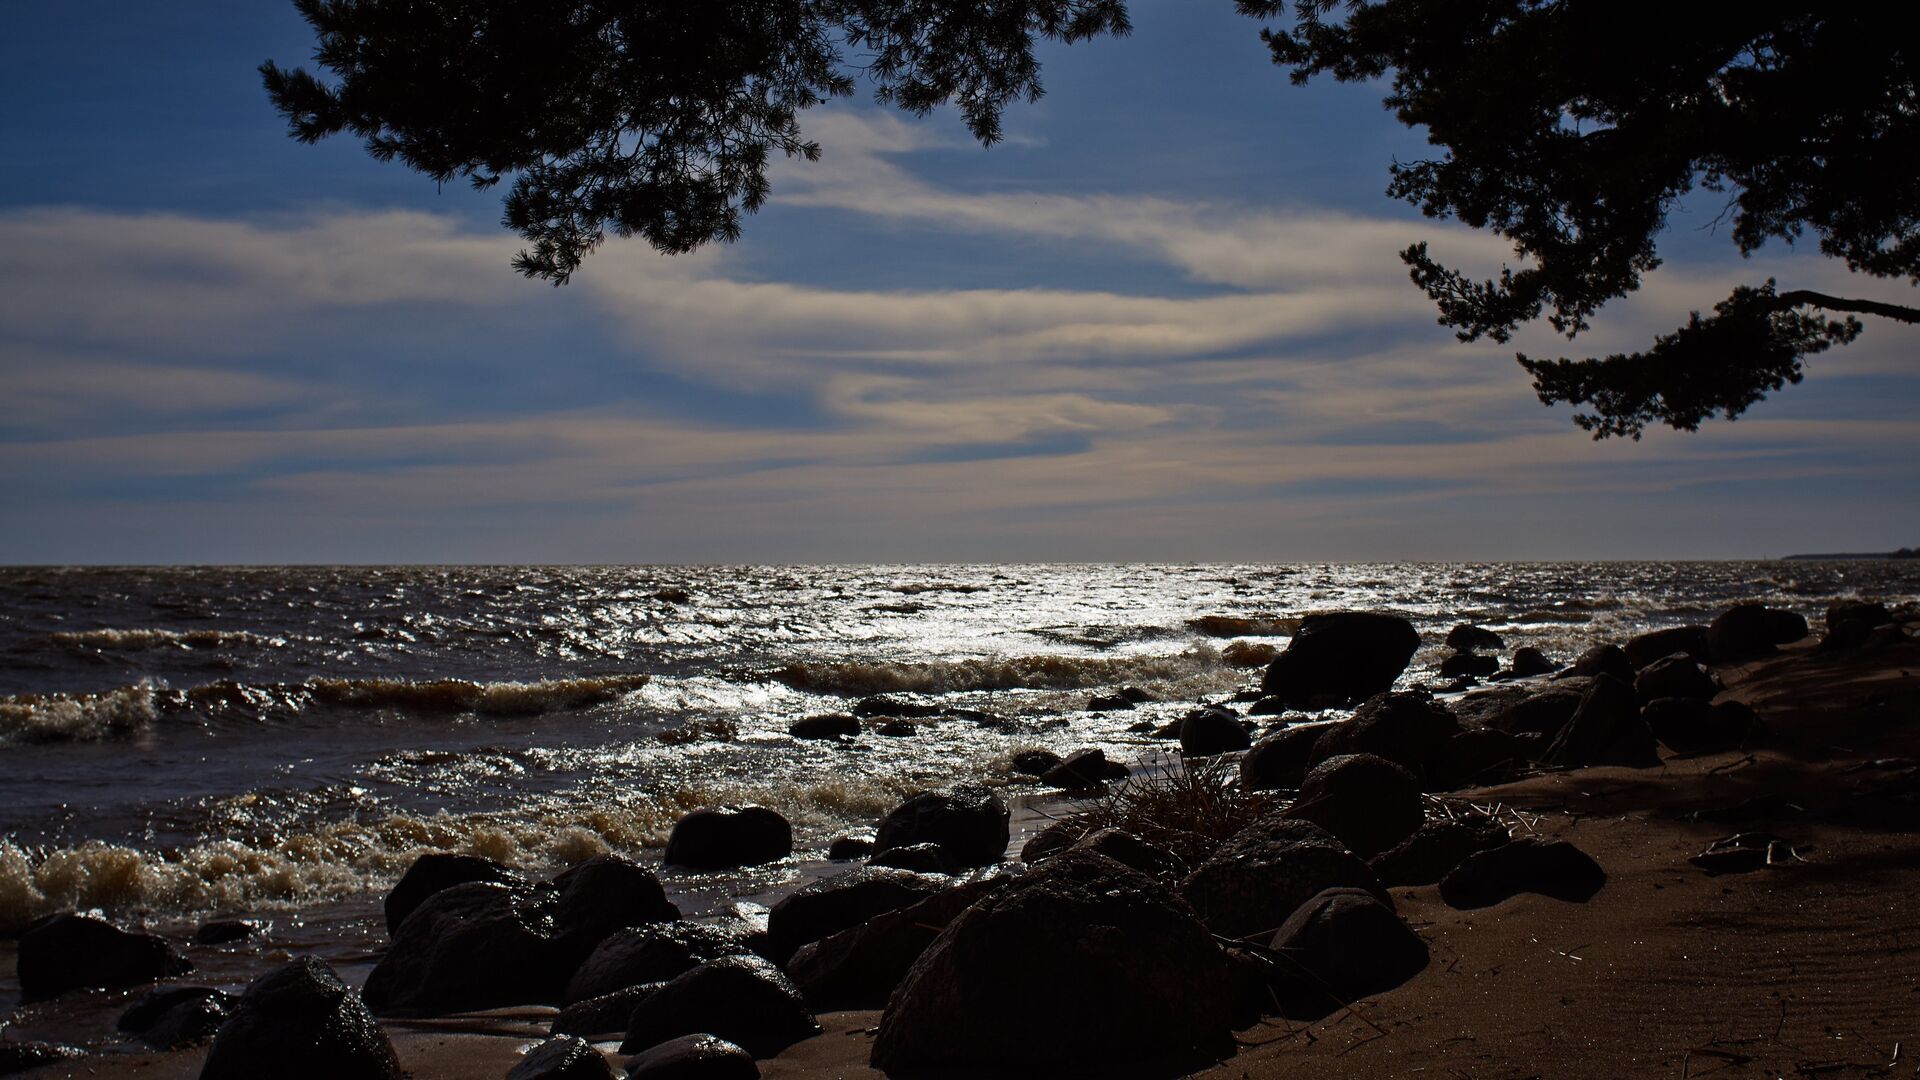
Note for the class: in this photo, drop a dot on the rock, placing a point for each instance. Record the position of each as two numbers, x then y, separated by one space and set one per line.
833 904
1464 663
920 858
1474 758
1605 730
474 946
1369 803
177 1016
1050 841
858 968
1267 706
1340 946
1674 677
652 953
725 837
1692 726
1084 770
970 823
1404 728
564 1057
899 729
1556 869
598 1017
1745 631
1135 695
850 848
1466 639
300 1022
16 1057
435 871
1850 623
1108 703
227 931
1130 851
694 1057
891 706
742 999
1341 658
1131 977
825 726
1212 730
66 952
1280 760
1644 649
601 895
1431 853
1034 762
1256 878
1530 661
1601 660
1544 712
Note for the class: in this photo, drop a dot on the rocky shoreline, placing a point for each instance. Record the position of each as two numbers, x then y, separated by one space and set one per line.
1285 877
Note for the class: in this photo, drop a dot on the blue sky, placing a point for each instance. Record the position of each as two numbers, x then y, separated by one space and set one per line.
1163 320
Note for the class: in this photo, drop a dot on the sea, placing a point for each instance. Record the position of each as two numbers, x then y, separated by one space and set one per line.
181 743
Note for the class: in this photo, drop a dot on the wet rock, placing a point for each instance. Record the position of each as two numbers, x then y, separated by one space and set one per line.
899 729
1369 803
1674 677
1850 623
892 706
601 895
1556 869
970 823
1601 660
1131 977
1644 649
1135 695
435 871
177 1016
652 953
1692 726
1034 762
1529 661
606 1015
1340 946
1746 631
1280 760
833 904
562 1058
718 838
1404 728
1130 851
1466 638
1435 850
1463 663
1084 770
920 858
1475 758
694 1057
472 946
1267 706
227 931
66 952
1605 730
300 1022
742 999
1050 841
1212 730
1543 712
858 968
17 1057
825 726
1256 878
848 848
1341 658
1108 703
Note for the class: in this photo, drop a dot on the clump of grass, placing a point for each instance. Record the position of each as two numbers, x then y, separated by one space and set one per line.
1186 807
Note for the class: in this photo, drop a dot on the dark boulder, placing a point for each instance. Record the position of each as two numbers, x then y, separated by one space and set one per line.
652 953
833 904
1465 663
300 1022
1368 803
1474 758
597 1018
1212 730
1644 649
1543 712
1529 661
18 1057
694 1057
825 726
971 823
1339 947
435 871
1404 728
849 848
1556 869
227 931
1135 695
66 952
563 1057
725 837
1130 851
1465 638
1746 631
1131 977
1280 760
1692 726
1674 676
472 946
601 895
1267 706
1050 841
1259 875
1850 623
1605 730
177 1016
1340 658
1084 770
742 999
1431 853
899 729
920 858
892 706
1108 703
858 968
1601 660
1034 762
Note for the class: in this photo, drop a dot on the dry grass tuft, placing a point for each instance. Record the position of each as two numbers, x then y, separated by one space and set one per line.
1186 807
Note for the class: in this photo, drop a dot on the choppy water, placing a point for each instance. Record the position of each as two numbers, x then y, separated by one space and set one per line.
186 740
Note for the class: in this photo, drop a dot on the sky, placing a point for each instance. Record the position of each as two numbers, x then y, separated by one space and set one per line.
1163 320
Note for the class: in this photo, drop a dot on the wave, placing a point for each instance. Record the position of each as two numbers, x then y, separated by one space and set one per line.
146 638
40 718
1228 626
854 678
460 695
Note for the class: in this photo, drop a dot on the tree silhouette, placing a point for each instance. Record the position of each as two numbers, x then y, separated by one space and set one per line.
1570 127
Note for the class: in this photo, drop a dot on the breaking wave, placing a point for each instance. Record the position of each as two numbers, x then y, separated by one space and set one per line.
76 717
460 695
854 678
1233 626
156 639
